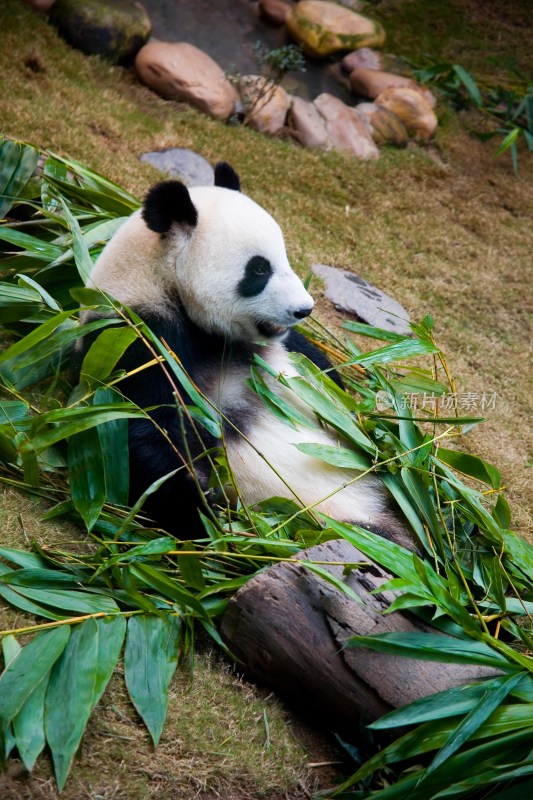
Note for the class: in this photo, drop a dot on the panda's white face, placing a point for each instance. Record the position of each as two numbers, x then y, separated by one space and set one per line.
218 251
231 269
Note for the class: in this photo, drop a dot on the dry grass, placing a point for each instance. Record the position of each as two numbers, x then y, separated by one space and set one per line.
215 742
445 231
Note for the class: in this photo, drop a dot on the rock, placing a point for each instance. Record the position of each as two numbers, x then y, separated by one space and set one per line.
371 59
308 123
386 126
116 31
265 103
180 71
364 57
355 5
413 110
371 82
40 5
274 11
178 162
349 292
347 130
324 28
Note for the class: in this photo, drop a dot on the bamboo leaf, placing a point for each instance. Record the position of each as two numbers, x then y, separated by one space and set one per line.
398 351
442 782
469 83
17 163
490 701
75 600
327 410
426 738
25 280
82 256
449 703
111 632
150 660
40 334
113 436
73 420
327 576
69 697
28 725
398 490
167 587
191 572
22 558
9 158
336 456
433 647
17 600
501 512
276 404
105 351
31 245
37 577
86 475
28 669
374 333
471 465
17 302
390 555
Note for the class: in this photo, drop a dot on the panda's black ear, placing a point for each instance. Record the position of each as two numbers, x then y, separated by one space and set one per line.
226 177
166 204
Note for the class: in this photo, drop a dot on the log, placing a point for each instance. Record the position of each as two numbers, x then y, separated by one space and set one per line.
287 627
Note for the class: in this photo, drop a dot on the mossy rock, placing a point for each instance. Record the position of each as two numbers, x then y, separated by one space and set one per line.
324 28
115 30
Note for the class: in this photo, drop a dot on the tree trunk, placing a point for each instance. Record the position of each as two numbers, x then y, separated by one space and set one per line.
287 627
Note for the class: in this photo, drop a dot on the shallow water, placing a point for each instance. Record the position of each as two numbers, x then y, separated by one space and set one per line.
228 30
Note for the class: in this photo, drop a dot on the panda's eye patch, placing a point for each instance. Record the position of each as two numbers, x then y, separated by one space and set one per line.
256 276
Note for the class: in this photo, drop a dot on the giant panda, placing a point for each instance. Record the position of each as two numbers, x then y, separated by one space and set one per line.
207 270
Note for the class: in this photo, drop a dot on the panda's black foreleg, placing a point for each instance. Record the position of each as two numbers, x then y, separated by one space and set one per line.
174 506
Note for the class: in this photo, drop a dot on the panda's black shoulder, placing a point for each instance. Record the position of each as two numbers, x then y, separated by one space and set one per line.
298 343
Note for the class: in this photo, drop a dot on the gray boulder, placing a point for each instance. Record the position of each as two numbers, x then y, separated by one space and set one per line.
349 292
179 162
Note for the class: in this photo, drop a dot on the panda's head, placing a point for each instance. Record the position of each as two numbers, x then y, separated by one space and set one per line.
225 258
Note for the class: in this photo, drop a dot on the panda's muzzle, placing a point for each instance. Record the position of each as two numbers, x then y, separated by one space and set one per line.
271 331
302 313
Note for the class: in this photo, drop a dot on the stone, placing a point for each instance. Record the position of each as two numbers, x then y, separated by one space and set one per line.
413 110
274 11
308 123
266 105
354 5
347 130
364 57
41 5
386 126
323 28
180 71
372 59
352 294
179 162
371 82
116 31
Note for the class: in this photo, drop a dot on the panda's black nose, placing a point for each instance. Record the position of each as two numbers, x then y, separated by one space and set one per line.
301 313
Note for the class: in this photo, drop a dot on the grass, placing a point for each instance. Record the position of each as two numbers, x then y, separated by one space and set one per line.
445 230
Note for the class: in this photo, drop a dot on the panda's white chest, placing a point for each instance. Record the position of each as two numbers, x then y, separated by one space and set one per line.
266 462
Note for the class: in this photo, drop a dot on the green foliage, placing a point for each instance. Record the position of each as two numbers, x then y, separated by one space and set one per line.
142 587
274 65
510 108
